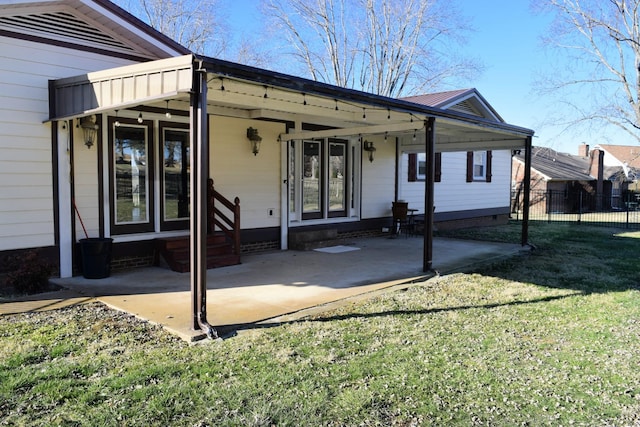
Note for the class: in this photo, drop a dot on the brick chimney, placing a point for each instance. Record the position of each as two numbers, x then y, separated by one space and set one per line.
583 150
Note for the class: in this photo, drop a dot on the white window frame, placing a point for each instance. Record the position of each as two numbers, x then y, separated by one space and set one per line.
480 160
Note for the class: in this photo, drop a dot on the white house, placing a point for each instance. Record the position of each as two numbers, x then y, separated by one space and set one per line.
471 187
41 42
109 129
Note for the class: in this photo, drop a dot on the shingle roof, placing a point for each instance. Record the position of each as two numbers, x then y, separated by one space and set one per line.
558 166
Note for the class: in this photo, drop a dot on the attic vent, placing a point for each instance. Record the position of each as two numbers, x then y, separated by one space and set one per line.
62 26
467 108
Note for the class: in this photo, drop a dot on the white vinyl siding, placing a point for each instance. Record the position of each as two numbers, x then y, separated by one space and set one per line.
255 179
453 193
26 182
86 187
378 180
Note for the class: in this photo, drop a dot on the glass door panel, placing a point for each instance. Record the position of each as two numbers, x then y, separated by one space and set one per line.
175 178
311 180
292 180
337 181
131 183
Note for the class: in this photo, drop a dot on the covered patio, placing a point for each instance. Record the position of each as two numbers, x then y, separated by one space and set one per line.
199 88
273 287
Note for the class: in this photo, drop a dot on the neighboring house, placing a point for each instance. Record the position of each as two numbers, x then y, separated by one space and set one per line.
567 183
471 187
112 128
626 157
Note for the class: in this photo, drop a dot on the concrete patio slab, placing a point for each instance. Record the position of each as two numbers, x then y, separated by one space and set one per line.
271 285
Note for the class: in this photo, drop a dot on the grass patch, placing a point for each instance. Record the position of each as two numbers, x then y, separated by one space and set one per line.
550 338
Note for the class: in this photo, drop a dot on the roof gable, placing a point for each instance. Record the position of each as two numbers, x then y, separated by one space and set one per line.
468 101
628 155
95 25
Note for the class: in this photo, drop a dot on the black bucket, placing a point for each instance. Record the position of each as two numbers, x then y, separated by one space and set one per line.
96 257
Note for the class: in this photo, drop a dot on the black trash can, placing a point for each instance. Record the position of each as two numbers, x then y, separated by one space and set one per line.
96 257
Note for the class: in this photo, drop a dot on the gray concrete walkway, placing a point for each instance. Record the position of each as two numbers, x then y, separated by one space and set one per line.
268 286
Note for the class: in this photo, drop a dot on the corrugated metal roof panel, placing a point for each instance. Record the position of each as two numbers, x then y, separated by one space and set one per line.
129 85
436 99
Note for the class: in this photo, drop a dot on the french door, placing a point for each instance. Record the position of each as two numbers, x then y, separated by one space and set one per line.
320 179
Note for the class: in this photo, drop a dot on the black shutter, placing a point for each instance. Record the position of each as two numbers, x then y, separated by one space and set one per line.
413 167
469 166
438 167
488 177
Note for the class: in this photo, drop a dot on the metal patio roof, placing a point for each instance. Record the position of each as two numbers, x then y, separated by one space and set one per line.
248 92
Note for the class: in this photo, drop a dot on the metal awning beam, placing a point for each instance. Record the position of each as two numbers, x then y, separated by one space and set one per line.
121 106
488 144
359 130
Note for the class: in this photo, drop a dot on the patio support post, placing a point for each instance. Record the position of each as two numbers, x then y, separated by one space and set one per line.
430 152
527 192
198 224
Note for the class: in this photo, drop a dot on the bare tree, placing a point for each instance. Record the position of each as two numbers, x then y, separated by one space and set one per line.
388 47
601 39
196 24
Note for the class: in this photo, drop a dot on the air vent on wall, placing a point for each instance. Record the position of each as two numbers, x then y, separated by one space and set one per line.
466 107
61 26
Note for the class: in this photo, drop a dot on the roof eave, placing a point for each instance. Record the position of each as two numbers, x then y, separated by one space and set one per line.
303 85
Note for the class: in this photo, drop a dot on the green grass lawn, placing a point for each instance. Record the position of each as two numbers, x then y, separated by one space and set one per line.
549 338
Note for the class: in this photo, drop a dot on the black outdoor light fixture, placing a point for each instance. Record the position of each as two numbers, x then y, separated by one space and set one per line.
370 149
255 139
89 130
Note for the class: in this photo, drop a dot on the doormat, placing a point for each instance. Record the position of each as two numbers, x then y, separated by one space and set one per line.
337 249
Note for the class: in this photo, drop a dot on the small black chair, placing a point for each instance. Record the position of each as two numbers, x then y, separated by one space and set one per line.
402 223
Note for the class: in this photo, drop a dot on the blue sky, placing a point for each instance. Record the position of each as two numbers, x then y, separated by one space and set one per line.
507 41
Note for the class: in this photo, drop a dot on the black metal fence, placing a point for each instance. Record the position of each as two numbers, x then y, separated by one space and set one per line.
608 211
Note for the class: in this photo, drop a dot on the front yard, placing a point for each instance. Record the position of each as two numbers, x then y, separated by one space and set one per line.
549 338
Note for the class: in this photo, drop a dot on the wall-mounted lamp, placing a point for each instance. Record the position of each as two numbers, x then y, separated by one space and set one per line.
370 149
89 130
167 113
140 118
255 139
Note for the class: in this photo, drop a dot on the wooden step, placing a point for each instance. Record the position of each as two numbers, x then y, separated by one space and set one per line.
174 251
170 243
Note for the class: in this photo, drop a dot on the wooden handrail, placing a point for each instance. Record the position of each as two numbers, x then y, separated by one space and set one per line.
218 219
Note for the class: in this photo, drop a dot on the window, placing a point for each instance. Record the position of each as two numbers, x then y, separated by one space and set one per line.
175 175
139 201
131 175
418 167
479 166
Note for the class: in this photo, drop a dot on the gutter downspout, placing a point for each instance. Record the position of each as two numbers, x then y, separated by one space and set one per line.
199 173
527 192
430 151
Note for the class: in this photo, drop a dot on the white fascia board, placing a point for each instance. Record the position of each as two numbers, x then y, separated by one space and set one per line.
132 28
